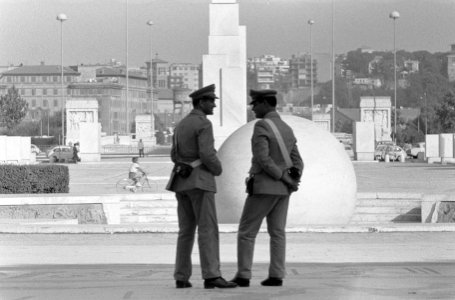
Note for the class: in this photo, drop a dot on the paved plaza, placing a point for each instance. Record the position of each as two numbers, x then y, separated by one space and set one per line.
412 265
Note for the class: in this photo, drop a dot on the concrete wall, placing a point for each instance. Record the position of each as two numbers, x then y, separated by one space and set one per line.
440 148
364 141
16 150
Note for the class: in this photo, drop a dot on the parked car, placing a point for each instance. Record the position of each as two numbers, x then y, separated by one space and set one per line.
387 143
60 154
378 151
415 149
396 153
35 149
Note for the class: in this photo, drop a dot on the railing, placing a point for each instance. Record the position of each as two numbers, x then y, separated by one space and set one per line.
123 149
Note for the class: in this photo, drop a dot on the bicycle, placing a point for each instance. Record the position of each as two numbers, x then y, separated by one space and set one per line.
128 184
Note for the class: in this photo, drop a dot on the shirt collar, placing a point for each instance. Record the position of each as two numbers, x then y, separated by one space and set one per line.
198 112
272 114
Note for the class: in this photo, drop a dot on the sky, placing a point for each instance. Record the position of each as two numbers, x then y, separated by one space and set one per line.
95 31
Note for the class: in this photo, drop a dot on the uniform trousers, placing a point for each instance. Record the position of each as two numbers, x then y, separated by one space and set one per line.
256 208
196 209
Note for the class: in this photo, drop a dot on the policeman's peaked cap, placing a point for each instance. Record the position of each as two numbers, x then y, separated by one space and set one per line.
205 92
260 95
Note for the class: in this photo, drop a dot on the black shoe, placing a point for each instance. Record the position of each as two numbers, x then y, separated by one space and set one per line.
218 282
272 281
181 284
241 282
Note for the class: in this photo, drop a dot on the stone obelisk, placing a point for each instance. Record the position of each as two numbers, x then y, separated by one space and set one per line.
225 66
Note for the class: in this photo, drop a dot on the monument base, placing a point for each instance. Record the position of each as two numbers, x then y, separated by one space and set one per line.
90 157
364 156
149 142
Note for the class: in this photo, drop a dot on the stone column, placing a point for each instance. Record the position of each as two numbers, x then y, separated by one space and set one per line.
145 129
377 110
225 66
82 126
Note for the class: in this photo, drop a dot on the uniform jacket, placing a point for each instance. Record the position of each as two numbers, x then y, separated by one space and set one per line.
268 163
193 139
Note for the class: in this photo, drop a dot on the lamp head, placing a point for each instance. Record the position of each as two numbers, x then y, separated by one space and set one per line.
62 17
310 22
150 23
394 15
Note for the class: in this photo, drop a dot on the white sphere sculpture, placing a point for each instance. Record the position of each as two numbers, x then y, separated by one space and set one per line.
327 193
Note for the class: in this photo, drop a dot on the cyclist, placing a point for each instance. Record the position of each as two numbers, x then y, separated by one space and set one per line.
135 173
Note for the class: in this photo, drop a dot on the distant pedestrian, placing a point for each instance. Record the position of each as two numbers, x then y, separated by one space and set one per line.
76 150
140 146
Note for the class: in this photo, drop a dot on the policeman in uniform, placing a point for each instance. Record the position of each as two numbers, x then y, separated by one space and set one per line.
273 184
193 145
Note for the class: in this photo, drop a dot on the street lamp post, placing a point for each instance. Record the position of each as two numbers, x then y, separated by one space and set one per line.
394 15
333 66
62 18
150 23
426 113
311 22
126 72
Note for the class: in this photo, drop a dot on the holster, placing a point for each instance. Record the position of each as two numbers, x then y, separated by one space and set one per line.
183 170
249 181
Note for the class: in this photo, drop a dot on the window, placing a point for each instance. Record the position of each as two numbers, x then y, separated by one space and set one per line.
55 79
55 103
68 78
8 79
33 92
45 103
33 79
44 78
44 91
22 92
22 78
68 92
33 102
55 92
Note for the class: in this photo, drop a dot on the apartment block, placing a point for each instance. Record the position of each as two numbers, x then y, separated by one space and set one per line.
41 87
300 67
184 75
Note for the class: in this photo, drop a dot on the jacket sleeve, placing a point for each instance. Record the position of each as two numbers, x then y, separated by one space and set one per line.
174 149
261 152
207 152
296 159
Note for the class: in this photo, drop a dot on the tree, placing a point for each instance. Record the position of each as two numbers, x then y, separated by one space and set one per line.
357 62
445 113
13 108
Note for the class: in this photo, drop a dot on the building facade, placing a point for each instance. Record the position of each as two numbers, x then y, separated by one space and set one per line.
184 75
109 88
451 63
160 70
41 87
300 67
266 71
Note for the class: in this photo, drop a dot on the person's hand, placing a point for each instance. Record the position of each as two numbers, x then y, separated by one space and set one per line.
291 183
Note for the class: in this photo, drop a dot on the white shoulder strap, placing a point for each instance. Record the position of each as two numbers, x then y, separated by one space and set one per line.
279 138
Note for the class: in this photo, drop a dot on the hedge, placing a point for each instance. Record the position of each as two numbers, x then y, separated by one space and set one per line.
33 179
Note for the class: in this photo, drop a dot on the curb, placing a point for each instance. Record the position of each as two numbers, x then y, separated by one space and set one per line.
223 228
